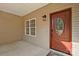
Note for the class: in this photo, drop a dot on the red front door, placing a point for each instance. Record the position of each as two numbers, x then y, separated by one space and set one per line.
60 31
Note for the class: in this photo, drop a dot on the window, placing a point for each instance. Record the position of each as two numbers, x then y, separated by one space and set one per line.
59 25
30 27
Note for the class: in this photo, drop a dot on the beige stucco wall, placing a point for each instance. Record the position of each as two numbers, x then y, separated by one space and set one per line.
42 38
11 28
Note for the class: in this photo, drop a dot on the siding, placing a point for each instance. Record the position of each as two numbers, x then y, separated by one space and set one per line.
11 28
75 30
42 38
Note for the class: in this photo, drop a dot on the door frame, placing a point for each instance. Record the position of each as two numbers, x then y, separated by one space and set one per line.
67 9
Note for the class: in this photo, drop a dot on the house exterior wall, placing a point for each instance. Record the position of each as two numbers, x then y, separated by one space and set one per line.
11 28
42 38
75 30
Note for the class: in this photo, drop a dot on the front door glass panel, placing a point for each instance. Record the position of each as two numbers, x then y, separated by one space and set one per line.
59 26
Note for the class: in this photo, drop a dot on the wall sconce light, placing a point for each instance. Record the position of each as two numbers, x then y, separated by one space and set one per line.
44 17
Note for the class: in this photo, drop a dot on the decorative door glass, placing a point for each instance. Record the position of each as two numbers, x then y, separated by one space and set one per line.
59 26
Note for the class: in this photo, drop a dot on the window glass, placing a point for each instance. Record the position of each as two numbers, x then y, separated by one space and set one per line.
30 30
59 26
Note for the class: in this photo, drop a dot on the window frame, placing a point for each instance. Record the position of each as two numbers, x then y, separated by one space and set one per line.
30 27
